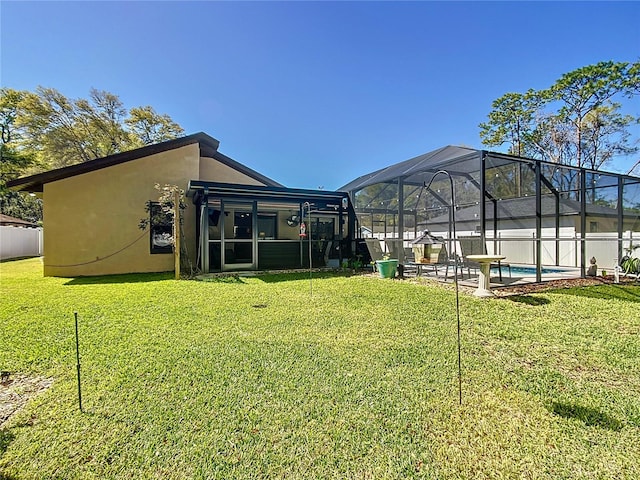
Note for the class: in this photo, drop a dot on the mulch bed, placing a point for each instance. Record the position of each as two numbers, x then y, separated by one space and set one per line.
525 289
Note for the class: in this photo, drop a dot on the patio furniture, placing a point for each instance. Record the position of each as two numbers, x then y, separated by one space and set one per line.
423 243
375 250
445 261
395 246
484 286
396 249
472 246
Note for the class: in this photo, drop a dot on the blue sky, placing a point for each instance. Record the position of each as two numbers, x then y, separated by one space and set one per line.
314 93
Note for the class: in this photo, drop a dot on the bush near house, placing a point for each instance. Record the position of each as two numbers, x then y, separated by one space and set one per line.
255 378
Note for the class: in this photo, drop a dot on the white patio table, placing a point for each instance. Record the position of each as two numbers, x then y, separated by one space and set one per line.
484 288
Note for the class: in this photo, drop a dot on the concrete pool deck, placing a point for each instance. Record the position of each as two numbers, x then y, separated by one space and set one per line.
517 278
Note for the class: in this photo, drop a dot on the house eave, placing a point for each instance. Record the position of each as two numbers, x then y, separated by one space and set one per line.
35 183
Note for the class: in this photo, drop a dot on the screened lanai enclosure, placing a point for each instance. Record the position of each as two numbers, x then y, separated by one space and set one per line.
249 227
536 214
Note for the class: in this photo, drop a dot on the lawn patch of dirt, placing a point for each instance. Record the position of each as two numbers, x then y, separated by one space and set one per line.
16 390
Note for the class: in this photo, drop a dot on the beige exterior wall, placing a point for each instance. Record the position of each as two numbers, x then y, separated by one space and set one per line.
285 232
211 170
91 220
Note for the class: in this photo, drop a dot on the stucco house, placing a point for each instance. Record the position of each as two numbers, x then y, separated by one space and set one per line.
236 218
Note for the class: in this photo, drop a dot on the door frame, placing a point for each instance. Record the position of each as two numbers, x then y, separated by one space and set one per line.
229 207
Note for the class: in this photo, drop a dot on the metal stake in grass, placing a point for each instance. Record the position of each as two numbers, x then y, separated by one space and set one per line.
452 223
78 362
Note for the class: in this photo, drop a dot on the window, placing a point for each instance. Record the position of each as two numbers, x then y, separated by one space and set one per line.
161 229
322 228
593 227
267 223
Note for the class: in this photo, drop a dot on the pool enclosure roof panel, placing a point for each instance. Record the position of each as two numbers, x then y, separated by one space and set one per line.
420 168
459 161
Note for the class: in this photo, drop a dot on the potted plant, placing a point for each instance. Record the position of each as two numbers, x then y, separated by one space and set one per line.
631 264
387 267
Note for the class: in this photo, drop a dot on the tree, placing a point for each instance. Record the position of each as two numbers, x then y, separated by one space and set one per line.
44 129
583 92
148 126
13 162
511 121
64 132
551 140
574 122
631 81
604 135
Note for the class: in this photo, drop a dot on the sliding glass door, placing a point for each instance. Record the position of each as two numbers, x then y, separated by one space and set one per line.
238 238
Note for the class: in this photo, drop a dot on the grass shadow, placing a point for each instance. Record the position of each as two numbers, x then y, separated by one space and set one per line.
296 276
124 278
528 300
222 279
17 259
589 416
6 438
625 292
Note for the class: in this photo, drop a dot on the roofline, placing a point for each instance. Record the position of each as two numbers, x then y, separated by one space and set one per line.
208 148
261 190
8 220
356 184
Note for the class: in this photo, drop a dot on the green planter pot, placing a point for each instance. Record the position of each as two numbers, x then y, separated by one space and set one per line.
387 268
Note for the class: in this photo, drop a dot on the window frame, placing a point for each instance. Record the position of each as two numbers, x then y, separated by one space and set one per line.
155 211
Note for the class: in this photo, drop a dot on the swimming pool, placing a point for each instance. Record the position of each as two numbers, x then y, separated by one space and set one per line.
526 271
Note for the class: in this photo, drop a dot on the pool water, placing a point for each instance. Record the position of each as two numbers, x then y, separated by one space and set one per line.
526 271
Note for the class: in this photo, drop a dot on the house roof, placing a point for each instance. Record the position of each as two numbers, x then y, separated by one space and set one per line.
271 192
15 222
208 148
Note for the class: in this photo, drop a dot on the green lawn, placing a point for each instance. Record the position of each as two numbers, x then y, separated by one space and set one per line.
253 378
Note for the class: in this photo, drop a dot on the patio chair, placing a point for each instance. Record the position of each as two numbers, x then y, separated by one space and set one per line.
475 246
396 249
375 250
444 260
449 260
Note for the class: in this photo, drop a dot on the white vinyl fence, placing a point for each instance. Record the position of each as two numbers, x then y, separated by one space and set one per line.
519 246
20 242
